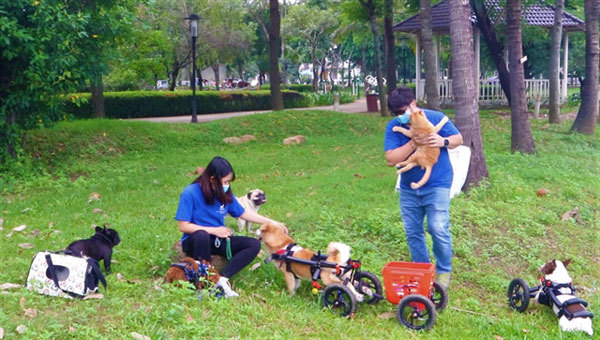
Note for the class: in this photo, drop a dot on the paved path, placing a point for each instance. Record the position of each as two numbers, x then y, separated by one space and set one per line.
358 106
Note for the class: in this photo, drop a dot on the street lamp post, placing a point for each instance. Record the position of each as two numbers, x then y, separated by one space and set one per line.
194 34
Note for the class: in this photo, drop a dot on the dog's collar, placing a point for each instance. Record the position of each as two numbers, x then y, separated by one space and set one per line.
289 250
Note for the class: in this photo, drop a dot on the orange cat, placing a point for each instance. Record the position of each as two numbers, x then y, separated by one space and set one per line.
424 156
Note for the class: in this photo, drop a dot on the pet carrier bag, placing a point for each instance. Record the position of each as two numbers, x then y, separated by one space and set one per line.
64 275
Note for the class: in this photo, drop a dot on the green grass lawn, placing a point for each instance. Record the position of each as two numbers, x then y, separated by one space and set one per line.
335 186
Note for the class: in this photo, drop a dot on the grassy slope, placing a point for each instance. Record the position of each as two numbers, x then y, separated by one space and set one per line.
334 187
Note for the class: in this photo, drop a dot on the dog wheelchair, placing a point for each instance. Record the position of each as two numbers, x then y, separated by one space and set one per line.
411 286
519 295
338 297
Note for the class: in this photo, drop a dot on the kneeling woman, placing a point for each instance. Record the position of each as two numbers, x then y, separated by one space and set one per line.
201 217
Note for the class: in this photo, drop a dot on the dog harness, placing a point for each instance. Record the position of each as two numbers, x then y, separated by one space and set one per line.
192 275
548 296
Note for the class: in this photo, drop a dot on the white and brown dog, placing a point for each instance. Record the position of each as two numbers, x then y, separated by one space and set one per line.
252 202
555 272
276 240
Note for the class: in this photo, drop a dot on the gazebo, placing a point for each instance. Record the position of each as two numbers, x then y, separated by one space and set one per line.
536 15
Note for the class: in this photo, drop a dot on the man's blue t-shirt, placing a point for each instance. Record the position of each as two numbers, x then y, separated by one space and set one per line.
194 209
441 174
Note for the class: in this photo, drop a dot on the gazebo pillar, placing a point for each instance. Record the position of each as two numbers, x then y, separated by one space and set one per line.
417 66
565 66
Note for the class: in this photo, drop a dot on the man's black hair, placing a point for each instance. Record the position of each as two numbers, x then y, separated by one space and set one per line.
400 99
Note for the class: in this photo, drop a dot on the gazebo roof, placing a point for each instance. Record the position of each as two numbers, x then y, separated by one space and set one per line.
535 15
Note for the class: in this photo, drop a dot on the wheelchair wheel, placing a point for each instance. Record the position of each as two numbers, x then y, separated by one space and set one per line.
518 295
339 299
369 286
439 296
416 312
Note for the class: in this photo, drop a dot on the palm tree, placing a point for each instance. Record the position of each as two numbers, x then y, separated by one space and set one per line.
465 88
431 76
521 138
554 109
274 50
586 117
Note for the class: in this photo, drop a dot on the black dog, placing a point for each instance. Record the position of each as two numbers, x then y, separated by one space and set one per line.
99 246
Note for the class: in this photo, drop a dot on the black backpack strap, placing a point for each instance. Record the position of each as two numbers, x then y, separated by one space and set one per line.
54 278
96 270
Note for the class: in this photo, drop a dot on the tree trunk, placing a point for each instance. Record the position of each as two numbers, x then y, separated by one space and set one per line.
496 50
431 77
315 71
554 109
215 68
464 86
274 50
11 120
390 46
173 75
370 7
521 138
586 117
97 99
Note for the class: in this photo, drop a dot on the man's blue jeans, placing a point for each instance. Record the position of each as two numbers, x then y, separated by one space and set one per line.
435 204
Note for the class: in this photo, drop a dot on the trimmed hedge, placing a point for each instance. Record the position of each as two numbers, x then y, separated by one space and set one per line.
292 87
139 104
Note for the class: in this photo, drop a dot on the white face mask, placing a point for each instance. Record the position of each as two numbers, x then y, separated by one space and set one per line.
225 188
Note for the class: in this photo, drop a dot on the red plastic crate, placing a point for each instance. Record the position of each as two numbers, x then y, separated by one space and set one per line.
404 278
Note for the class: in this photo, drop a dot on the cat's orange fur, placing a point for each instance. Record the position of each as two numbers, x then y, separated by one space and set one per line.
424 156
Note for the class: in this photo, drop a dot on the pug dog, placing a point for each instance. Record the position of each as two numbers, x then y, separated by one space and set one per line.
99 246
252 202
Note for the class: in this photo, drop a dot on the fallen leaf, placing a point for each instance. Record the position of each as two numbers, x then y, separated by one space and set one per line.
138 336
255 266
315 152
51 225
34 233
71 329
94 196
155 181
22 302
30 312
573 213
311 193
94 296
8 285
288 215
20 228
498 337
542 192
26 245
189 318
545 127
21 329
1 223
337 148
9 234
359 176
25 210
387 315
525 331
120 277
97 211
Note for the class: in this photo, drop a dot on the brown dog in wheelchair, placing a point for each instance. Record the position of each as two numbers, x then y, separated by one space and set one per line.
196 276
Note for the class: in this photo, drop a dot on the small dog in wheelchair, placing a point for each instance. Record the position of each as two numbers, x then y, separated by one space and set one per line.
195 272
571 313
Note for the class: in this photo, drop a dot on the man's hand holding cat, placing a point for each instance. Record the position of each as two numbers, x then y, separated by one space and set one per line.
433 140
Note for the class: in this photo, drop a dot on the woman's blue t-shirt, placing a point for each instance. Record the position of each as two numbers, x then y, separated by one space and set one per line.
441 174
194 209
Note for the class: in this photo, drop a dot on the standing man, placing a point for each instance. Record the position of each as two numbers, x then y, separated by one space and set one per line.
433 198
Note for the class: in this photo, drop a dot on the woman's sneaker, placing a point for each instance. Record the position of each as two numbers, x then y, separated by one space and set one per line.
443 279
223 283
